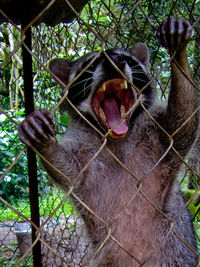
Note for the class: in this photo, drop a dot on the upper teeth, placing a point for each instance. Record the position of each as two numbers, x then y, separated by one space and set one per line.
103 87
124 85
120 85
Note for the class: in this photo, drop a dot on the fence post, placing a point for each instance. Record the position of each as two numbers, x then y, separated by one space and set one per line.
32 164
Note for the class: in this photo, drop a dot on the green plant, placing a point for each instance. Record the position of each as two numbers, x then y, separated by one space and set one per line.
9 257
48 203
15 183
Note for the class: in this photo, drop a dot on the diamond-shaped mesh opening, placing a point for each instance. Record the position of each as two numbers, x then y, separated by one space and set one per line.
63 235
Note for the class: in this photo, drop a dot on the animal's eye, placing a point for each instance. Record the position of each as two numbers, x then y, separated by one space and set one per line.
122 60
131 62
128 60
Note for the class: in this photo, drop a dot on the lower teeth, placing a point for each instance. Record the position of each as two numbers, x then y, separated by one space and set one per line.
122 110
102 115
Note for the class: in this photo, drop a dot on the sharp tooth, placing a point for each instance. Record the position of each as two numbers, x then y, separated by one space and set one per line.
125 85
122 110
104 87
102 114
100 90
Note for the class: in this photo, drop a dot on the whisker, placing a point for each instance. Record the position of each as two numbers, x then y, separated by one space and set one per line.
79 69
138 79
81 91
137 71
75 84
135 66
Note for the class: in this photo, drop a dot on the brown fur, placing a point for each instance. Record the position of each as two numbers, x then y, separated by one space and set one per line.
106 187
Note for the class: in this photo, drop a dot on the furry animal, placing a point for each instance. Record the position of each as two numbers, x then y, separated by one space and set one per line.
139 211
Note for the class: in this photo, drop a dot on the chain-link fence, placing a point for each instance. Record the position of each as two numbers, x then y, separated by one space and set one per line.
31 207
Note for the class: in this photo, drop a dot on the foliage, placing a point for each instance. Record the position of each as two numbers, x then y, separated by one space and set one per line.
193 206
51 201
9 257
11 81
15 183
48 202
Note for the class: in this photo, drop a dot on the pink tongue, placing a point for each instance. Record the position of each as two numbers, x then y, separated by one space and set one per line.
111 111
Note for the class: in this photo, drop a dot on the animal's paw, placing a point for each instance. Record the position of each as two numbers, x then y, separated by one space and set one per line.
174 34
37 128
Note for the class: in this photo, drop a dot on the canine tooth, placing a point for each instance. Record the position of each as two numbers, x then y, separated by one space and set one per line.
121 85
122 110
125 85
104 87
100 90
102 114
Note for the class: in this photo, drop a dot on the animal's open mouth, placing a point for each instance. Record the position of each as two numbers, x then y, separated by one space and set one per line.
110 102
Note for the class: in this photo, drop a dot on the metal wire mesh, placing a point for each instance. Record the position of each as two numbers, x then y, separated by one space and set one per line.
101 25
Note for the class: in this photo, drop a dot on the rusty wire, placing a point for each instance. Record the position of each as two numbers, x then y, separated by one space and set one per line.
139 180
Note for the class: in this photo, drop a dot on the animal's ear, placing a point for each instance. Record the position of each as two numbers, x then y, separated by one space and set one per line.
60 68
141 52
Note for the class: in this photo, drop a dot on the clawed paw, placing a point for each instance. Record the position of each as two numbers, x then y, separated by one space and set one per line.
174 34
37 128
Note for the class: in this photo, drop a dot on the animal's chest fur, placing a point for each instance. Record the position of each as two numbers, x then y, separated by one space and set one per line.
139 228
125 201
